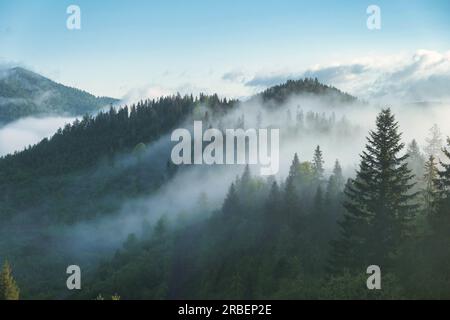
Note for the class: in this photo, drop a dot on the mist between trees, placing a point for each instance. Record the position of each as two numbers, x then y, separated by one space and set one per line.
102 193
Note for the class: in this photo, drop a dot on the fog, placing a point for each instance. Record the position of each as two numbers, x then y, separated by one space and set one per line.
343 140
339 129
24 132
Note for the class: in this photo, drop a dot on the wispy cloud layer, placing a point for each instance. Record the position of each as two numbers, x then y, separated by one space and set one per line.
422 76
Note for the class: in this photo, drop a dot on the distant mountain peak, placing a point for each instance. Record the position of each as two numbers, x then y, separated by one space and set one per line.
280 93
25 93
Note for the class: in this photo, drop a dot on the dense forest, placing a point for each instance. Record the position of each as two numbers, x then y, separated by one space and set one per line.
306 235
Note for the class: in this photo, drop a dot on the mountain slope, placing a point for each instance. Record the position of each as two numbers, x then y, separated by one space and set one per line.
88 172
280 93
25 93
48 167
84 143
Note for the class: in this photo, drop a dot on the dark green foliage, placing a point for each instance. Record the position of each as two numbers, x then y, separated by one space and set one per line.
8 287
416 160
249 249
278 94
378 202
269 240
317 164
335 184
427 259
88 150
440 223
290 200
430 191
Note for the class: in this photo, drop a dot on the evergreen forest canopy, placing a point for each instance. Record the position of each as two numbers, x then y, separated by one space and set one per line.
308 234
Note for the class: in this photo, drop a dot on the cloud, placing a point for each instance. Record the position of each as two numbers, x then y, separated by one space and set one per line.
147 92
234 76
423 76
28 131
271 79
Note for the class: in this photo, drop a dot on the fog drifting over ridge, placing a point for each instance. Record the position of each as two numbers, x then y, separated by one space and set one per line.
180 195
91 240
344 142
395 80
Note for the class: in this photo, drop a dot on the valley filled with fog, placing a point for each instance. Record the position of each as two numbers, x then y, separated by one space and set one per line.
146 189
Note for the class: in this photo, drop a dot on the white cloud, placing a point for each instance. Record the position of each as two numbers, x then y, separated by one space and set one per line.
146 92
422 76
27 131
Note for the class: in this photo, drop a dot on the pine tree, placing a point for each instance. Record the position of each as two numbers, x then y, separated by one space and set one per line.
8 286
378 201
246 178
439 238
295 166
337 173
430 191
318 163
231 204
273 199
272 210
335 183
319 201
434 143
416 161
442 219
290 192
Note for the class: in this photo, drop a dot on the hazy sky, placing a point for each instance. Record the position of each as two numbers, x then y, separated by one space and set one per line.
126 47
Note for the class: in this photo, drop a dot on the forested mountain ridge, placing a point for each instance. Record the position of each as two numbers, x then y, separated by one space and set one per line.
24 93
87 141
72 198
308 86
45 170
305 237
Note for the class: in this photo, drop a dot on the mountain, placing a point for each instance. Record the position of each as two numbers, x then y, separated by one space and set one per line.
47 168
102 193
86 142
278 94
24 93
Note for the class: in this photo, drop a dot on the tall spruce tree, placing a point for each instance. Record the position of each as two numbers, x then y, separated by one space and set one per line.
290 193
272 210
231 206
319 203
8 287
416 160
318 162
442 219
378 202
434 143
335 183
439 238
430 191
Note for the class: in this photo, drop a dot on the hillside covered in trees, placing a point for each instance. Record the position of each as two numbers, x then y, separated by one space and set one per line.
103 193
24 93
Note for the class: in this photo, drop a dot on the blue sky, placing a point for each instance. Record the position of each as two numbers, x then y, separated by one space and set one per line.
189 45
